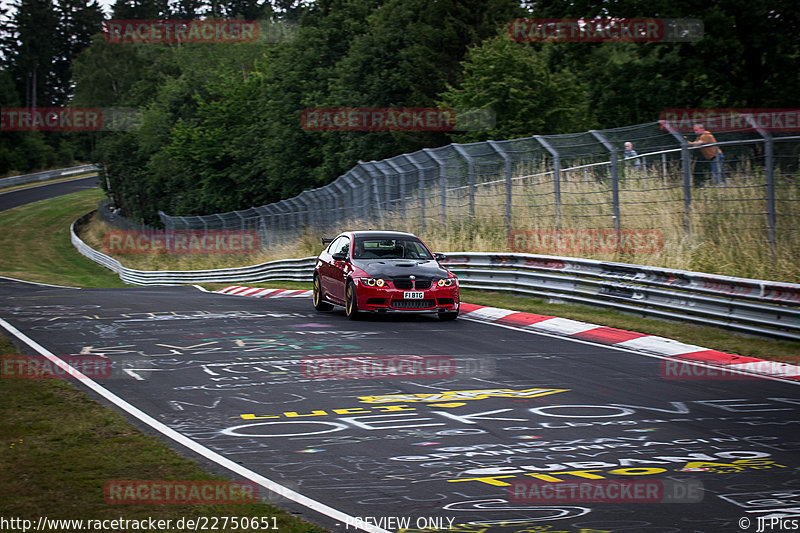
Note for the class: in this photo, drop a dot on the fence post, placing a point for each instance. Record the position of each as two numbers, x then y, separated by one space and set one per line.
421 188
556 177
364 187
278 210
612 151
304 210
328 208
508 170
442 183
353 189
344 197
470 178
686 166
401 183
373 190
263 229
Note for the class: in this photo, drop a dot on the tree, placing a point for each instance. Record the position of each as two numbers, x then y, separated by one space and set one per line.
143 9
747 57
31 50
79 20
528 96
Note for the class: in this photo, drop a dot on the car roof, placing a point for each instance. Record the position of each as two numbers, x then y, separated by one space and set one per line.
378 233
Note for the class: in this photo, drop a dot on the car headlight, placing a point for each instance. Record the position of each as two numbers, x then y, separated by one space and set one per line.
449 282
370 282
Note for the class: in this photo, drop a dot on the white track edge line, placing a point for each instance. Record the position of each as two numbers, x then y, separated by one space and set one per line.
189 443
37 283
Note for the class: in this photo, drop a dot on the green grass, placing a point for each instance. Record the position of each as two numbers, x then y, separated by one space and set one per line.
36 246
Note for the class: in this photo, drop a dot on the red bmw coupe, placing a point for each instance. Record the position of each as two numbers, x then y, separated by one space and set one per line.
383 271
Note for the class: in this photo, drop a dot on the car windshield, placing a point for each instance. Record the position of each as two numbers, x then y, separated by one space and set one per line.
396 248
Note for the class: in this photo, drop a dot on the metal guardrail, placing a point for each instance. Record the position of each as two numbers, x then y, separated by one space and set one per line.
47 175
753 306
283 270
765 308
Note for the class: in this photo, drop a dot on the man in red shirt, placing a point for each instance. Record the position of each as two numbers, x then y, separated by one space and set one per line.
712 154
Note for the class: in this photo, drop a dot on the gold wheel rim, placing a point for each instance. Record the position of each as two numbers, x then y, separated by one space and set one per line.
350 303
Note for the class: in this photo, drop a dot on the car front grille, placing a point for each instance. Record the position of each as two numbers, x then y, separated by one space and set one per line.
407 284
413 304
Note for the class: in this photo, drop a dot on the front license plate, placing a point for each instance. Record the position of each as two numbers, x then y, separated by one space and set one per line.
413 295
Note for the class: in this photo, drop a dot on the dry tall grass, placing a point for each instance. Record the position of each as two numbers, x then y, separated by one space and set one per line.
727 225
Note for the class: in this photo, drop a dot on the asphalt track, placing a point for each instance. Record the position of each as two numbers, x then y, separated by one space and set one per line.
9 200
242 379
251 389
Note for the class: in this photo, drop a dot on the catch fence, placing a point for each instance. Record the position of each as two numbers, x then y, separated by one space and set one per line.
555 182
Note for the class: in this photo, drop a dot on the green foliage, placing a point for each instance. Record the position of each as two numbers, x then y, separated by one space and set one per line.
221 124
528 96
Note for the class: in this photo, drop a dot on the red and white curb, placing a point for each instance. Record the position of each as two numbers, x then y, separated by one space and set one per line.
620 338
264 293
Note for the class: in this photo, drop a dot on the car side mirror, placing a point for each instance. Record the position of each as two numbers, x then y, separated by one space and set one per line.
439 257
339 257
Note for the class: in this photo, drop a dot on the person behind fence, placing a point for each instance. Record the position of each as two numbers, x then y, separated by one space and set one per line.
712 154
631 156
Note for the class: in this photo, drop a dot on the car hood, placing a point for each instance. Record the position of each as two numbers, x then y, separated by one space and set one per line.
401 268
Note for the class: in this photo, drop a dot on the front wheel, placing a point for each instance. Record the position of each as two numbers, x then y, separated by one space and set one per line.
351 301
319 303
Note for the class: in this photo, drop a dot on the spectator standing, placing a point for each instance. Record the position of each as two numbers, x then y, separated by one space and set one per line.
632 156
712 154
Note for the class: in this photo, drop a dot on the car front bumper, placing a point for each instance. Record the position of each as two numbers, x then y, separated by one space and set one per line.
387 298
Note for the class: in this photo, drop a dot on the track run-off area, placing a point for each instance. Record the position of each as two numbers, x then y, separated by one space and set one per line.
403 422
496 422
